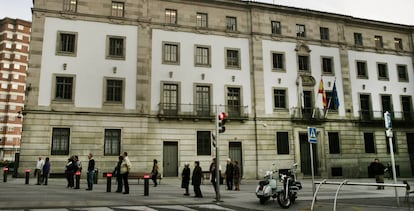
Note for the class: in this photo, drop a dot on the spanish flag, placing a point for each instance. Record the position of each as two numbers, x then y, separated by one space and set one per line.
322 91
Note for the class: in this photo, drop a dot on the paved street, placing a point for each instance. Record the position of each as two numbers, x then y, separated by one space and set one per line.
16 195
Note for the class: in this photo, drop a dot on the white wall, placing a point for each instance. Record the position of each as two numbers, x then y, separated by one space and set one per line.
90 65
288 78
374 86
188 74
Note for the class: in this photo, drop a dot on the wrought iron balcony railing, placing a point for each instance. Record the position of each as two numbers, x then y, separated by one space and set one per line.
200 111
368 115
307 113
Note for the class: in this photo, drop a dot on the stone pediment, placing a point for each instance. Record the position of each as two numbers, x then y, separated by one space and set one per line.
307 80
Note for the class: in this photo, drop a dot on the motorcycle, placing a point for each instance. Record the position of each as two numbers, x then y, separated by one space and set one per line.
267 187
290 188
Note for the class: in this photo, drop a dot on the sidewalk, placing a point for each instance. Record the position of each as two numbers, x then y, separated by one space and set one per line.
15 194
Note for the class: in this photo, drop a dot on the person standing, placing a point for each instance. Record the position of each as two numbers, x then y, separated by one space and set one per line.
38 170
69 172
125 169
196 179
185 178
236 176
46 171
154 172
118 175
213 174
377 169
78 164
229 174
91 171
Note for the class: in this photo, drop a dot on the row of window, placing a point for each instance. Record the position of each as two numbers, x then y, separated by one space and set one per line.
114 93
386 104
19 26
171 51
327 67
112 142
10 139
18 46
202 57
282 143
67 45
362 71
61 141
117 7
65 86
117 10
18 36
203 106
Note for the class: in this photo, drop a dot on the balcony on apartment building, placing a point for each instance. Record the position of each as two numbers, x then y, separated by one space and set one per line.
197 112
376 118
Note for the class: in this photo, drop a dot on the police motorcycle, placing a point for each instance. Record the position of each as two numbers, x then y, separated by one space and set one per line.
290 188
267 187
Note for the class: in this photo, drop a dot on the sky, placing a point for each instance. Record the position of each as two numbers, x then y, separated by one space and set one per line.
395 11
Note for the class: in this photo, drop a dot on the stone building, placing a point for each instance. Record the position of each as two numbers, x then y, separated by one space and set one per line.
14 58
149 77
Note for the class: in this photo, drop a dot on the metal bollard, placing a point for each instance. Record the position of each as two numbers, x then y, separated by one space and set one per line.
146 184
77 178
108 182
5 171
27 176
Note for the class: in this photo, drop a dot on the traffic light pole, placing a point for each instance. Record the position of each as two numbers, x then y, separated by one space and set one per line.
217 159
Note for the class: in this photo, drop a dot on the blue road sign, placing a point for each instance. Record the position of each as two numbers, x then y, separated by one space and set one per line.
312 135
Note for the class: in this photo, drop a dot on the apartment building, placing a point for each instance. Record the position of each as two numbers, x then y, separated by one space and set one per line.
14 57
149 77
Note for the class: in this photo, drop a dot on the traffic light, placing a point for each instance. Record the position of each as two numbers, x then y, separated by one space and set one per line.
222 121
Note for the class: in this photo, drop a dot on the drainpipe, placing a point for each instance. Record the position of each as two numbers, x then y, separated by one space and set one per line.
253 89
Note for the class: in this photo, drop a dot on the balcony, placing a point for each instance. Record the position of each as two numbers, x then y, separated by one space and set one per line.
376 118
307 114
198 112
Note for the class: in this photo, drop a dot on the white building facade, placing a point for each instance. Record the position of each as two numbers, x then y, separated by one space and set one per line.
149 77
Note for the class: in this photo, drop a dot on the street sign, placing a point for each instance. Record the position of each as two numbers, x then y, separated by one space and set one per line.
387 120
312 135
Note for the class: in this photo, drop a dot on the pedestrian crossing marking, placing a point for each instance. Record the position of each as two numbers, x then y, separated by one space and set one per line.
137 208
193 207
175 207
94 209
212 207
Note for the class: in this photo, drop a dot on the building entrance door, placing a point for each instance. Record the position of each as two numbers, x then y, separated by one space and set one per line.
410 143
235 153
305 158
170 159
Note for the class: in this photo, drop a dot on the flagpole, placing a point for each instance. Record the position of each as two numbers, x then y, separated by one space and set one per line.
330 99
327 107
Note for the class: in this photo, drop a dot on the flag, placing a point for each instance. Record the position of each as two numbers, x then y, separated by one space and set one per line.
300 91
322 91
335 95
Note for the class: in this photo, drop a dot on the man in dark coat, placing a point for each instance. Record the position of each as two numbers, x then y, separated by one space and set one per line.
196 179
185 176
377 169
213 180
118 175
229 174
